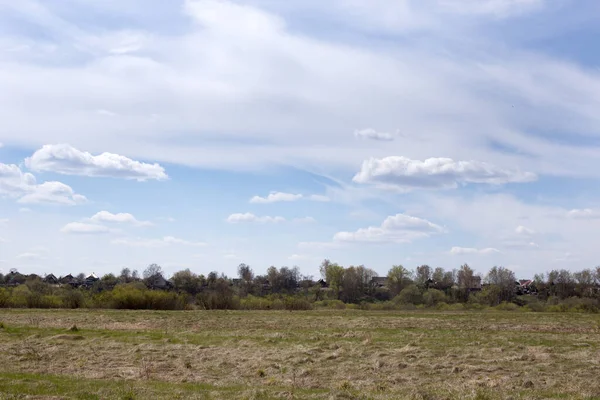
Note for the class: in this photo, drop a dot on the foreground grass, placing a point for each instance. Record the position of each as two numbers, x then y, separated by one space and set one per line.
303 355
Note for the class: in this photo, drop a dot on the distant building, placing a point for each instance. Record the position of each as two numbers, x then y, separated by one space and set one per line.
51 279
379 281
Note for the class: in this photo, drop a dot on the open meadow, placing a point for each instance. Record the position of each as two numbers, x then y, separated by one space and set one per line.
347 354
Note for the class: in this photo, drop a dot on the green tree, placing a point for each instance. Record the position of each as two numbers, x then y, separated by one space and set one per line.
334 276
502 281
398 278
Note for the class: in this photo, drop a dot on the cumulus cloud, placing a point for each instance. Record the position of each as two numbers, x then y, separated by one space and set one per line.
434 173
162 242
372 134
81 228
275 197
67 160
470 250
23 186
120 218
53 192
249 217
399 228
586 213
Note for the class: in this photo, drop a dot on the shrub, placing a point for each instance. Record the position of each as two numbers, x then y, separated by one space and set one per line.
409 295
4 298
297 303
504 306
432 297
72 298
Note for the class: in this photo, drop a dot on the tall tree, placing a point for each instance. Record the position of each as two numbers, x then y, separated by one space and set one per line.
423 274
466 280
398 278
502 282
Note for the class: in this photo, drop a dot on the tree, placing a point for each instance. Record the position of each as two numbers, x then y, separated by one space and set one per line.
398 278
187 281
585 282
125 275
411 294
152 270
466 280
503 283
423 274
333 275
443 280
245 273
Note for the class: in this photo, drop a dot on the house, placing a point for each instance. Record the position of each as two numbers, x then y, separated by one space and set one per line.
322 283
15 278
91 279
525 286
157 281
51 279
69 280
475 284
379 281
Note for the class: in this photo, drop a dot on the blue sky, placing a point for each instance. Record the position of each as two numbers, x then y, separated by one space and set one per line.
204 133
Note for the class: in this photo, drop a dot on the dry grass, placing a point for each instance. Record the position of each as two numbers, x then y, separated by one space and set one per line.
315 354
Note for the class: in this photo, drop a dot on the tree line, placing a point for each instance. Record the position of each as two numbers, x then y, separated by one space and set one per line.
287 288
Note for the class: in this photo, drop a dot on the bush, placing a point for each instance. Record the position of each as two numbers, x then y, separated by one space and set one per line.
504 306
409 295
297 303
4 298
72 298
432 297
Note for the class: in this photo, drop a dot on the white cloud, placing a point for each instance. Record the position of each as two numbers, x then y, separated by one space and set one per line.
249 217
67 160
399 228
84 229
23 186
53 193
275 197
163 242
120 218
434 173
583 214
372 134
471 250
522 230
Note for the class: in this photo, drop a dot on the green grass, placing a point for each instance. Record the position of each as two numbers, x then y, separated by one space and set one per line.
309 354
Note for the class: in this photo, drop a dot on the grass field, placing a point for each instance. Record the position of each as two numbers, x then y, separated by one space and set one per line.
301 355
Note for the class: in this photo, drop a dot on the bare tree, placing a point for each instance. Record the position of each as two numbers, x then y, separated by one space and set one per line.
152 270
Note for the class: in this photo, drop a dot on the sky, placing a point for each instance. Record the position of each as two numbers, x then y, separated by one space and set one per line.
205 133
